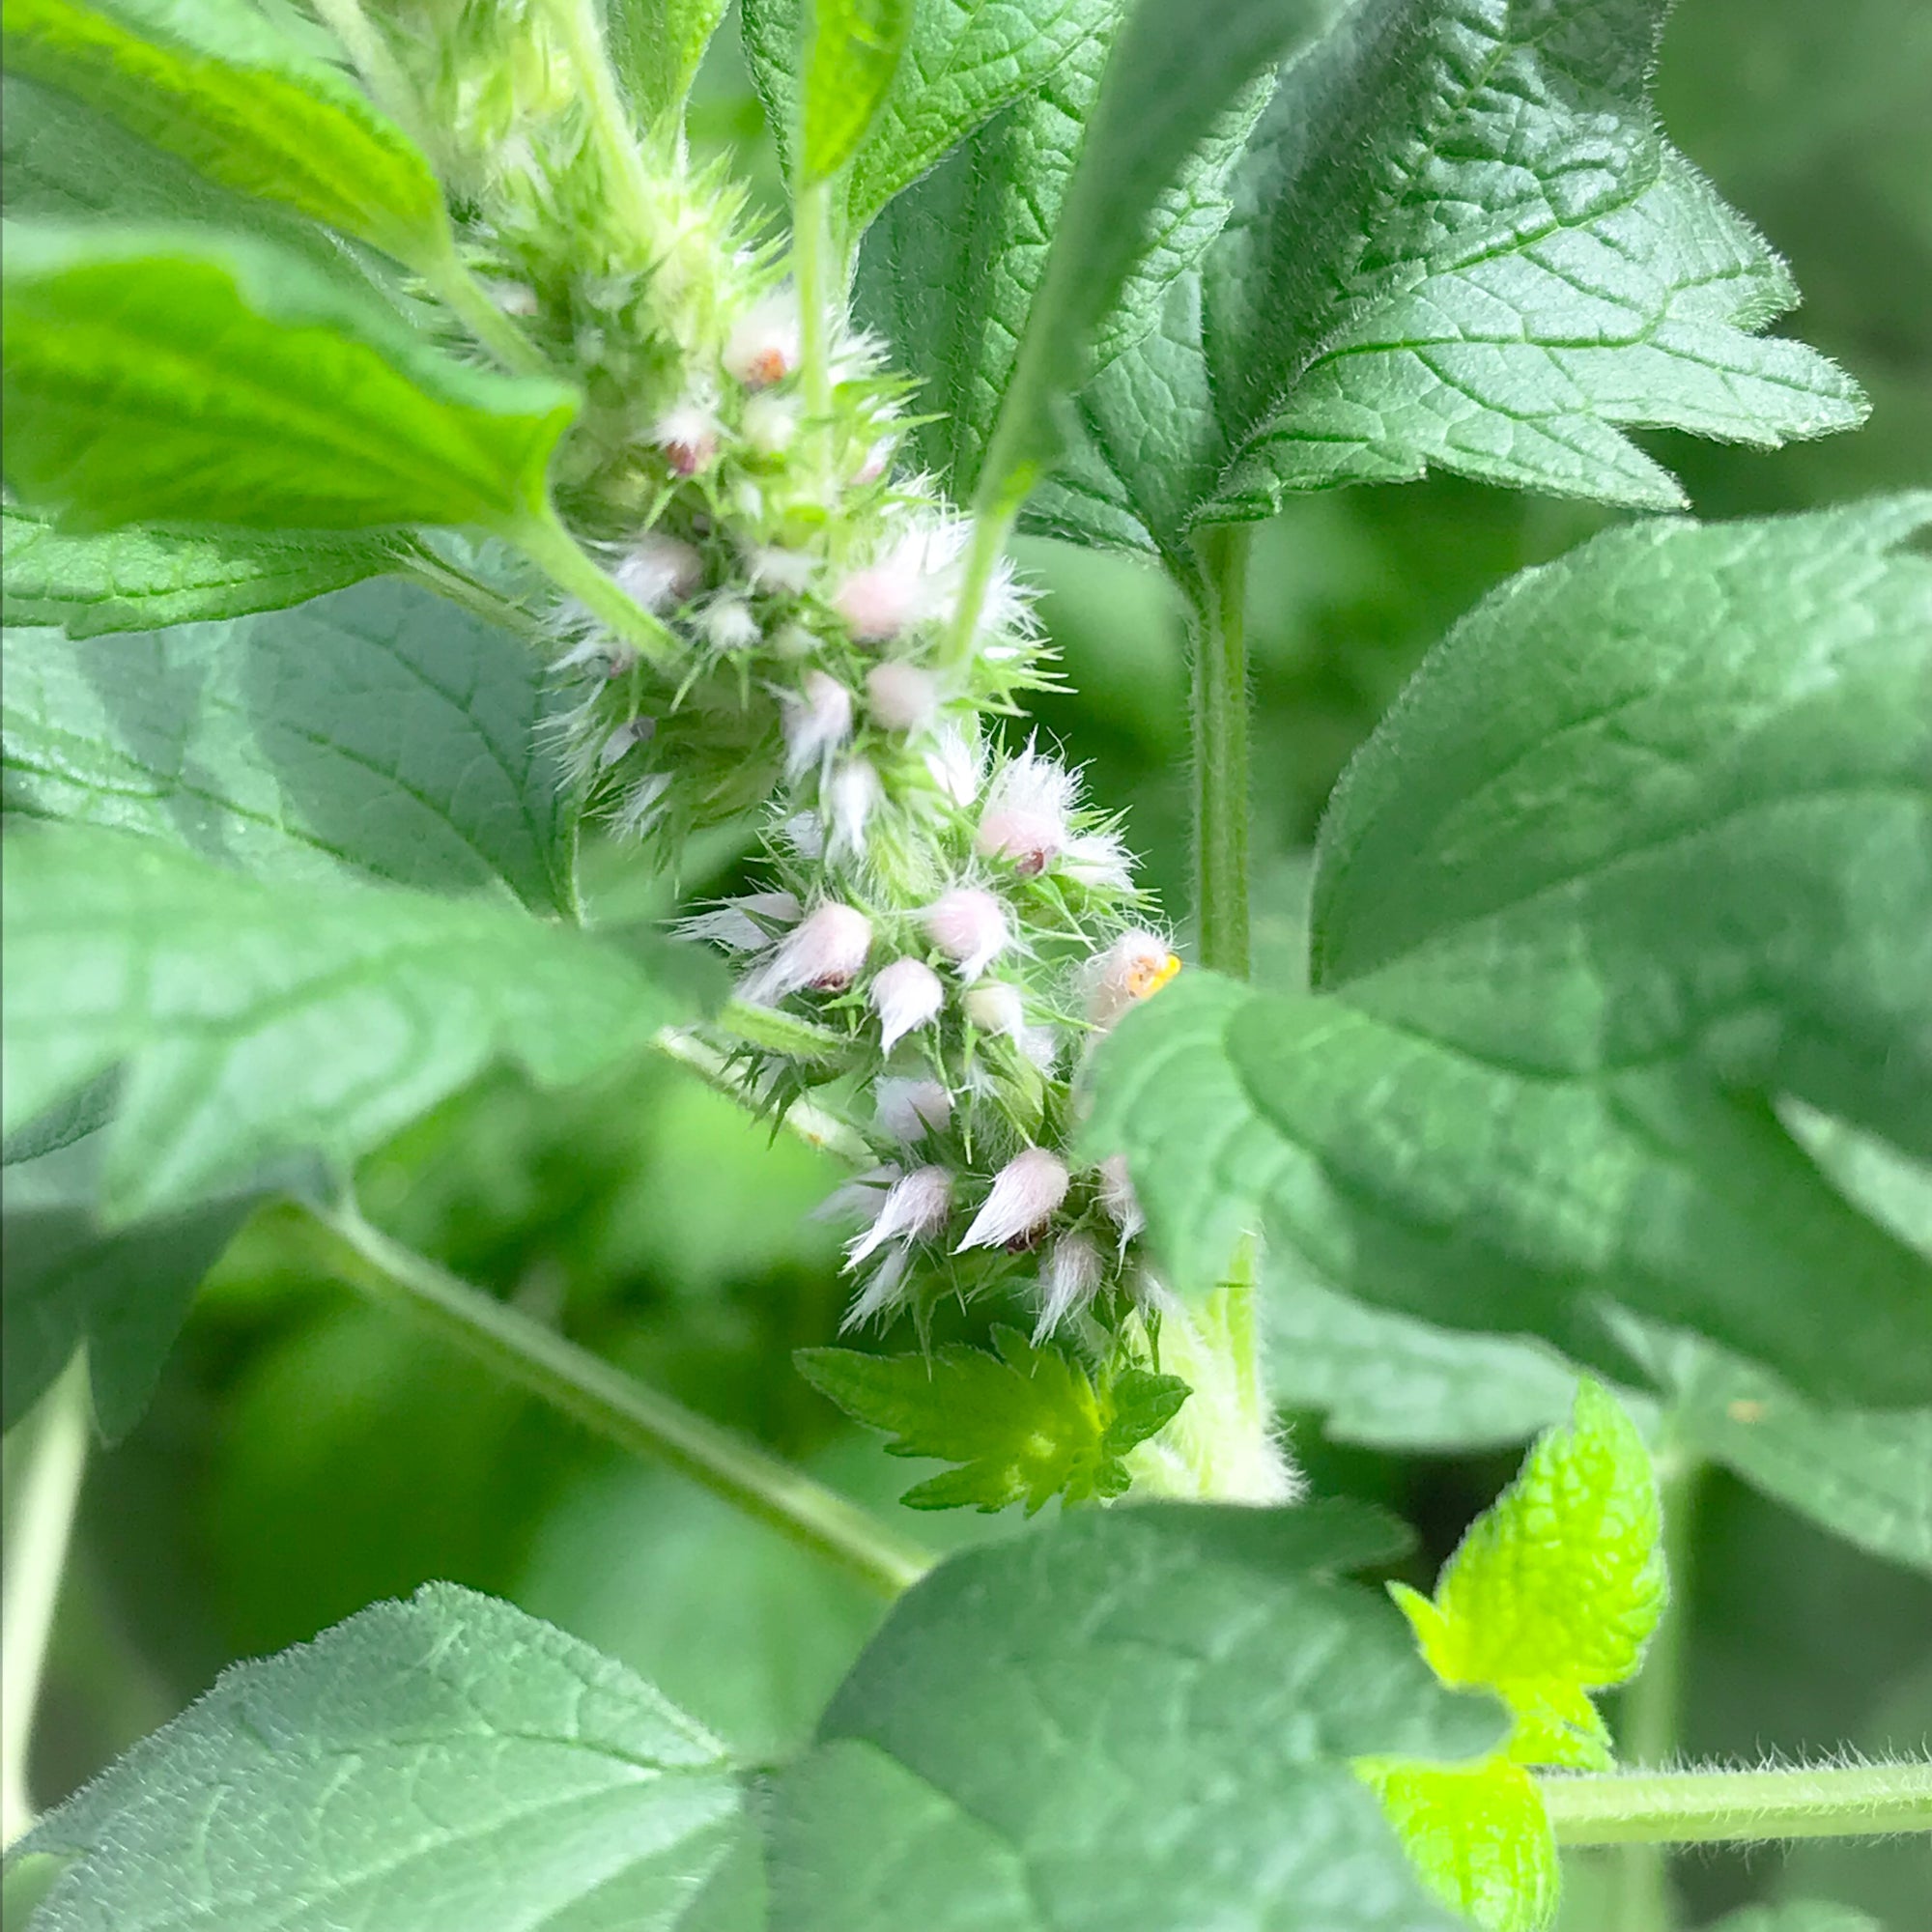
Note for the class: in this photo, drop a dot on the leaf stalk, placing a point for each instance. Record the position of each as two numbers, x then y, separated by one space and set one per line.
1718 1807
1220 735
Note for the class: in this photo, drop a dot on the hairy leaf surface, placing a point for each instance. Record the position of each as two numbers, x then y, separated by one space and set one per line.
657 48
1458 242
442 1762
173 377
1138 1717
380 732
258 1019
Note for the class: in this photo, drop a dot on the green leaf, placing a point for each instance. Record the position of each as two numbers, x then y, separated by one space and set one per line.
1481 1838
122 1293
142 580
1701 823
1139 1716
164 378
1173 69
447 1761
1557 1586
262 1019
1458 242
379 734
657 48
1026 1424
984 222
1865 1476
852 51
1797 1915
214 84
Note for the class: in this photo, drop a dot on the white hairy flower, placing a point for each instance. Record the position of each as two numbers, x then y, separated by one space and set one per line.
913 582
1119 1199
687 436
824 952
914 1210
730 625
851 793
1068 1282
955 766
1025 1196
744 924
769 423
658 570
817 721
906 994
1025 815
764 348
860 1196
878 460
784 572
997 1008
969 925
902 696
908 1110
1134 968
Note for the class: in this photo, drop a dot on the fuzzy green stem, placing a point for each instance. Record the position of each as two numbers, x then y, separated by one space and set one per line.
993 524
613 1406
1220 710
611 131
543 540
810 1123
811 247
418 561
1717 1807
379 67
461 290
52 1445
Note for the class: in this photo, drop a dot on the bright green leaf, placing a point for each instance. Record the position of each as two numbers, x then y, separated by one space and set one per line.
852 51
443 1762
259 1020
1173 69
658 45
214 84
142 580
1479 1837
162 378
1557 1586
1458 242
1139 1716
1026 1425
381 732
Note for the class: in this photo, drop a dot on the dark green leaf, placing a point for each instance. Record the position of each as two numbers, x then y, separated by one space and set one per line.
142 580
165 377
1700 821
263 1019
445 1762
214 84
1458 242
1026 1425
852 51
380 732
1137 1718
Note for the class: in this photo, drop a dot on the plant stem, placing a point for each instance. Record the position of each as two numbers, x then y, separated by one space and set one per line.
810 244
545 541
1221 751
993 524
1712 1808
457 287
810 1123
621 1409
611 130
419 562
52 1442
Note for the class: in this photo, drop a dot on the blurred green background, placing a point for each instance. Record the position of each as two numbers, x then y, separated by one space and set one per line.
307 1453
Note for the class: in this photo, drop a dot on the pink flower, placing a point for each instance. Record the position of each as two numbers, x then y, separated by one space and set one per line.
1025 1196
1118 1197
915 1209
764 348
900 697
969 925
824 952
906 994
912 582
817 721
909 1110
1025 814
1134 968
1068 1282
687 436
658 570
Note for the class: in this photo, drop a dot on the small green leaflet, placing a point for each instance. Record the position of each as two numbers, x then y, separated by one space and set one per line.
657 48
442 1762
852 51
1458 242
259 1020
142 580
213 83
380 733
1026 1424
160 377
1174 67
1139 1716
1481 1837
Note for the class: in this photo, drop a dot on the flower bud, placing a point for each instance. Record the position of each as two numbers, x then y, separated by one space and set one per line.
824 952
955 766
902 696
1134 968
850 795
878 460
730 625
1119 1199
906 994
769 424
997 1008
1068 1283
915 1209
1025 1196
969 925
1025 814
784 572
878 603
817 721
908 1110
687 436
658 570
764 348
